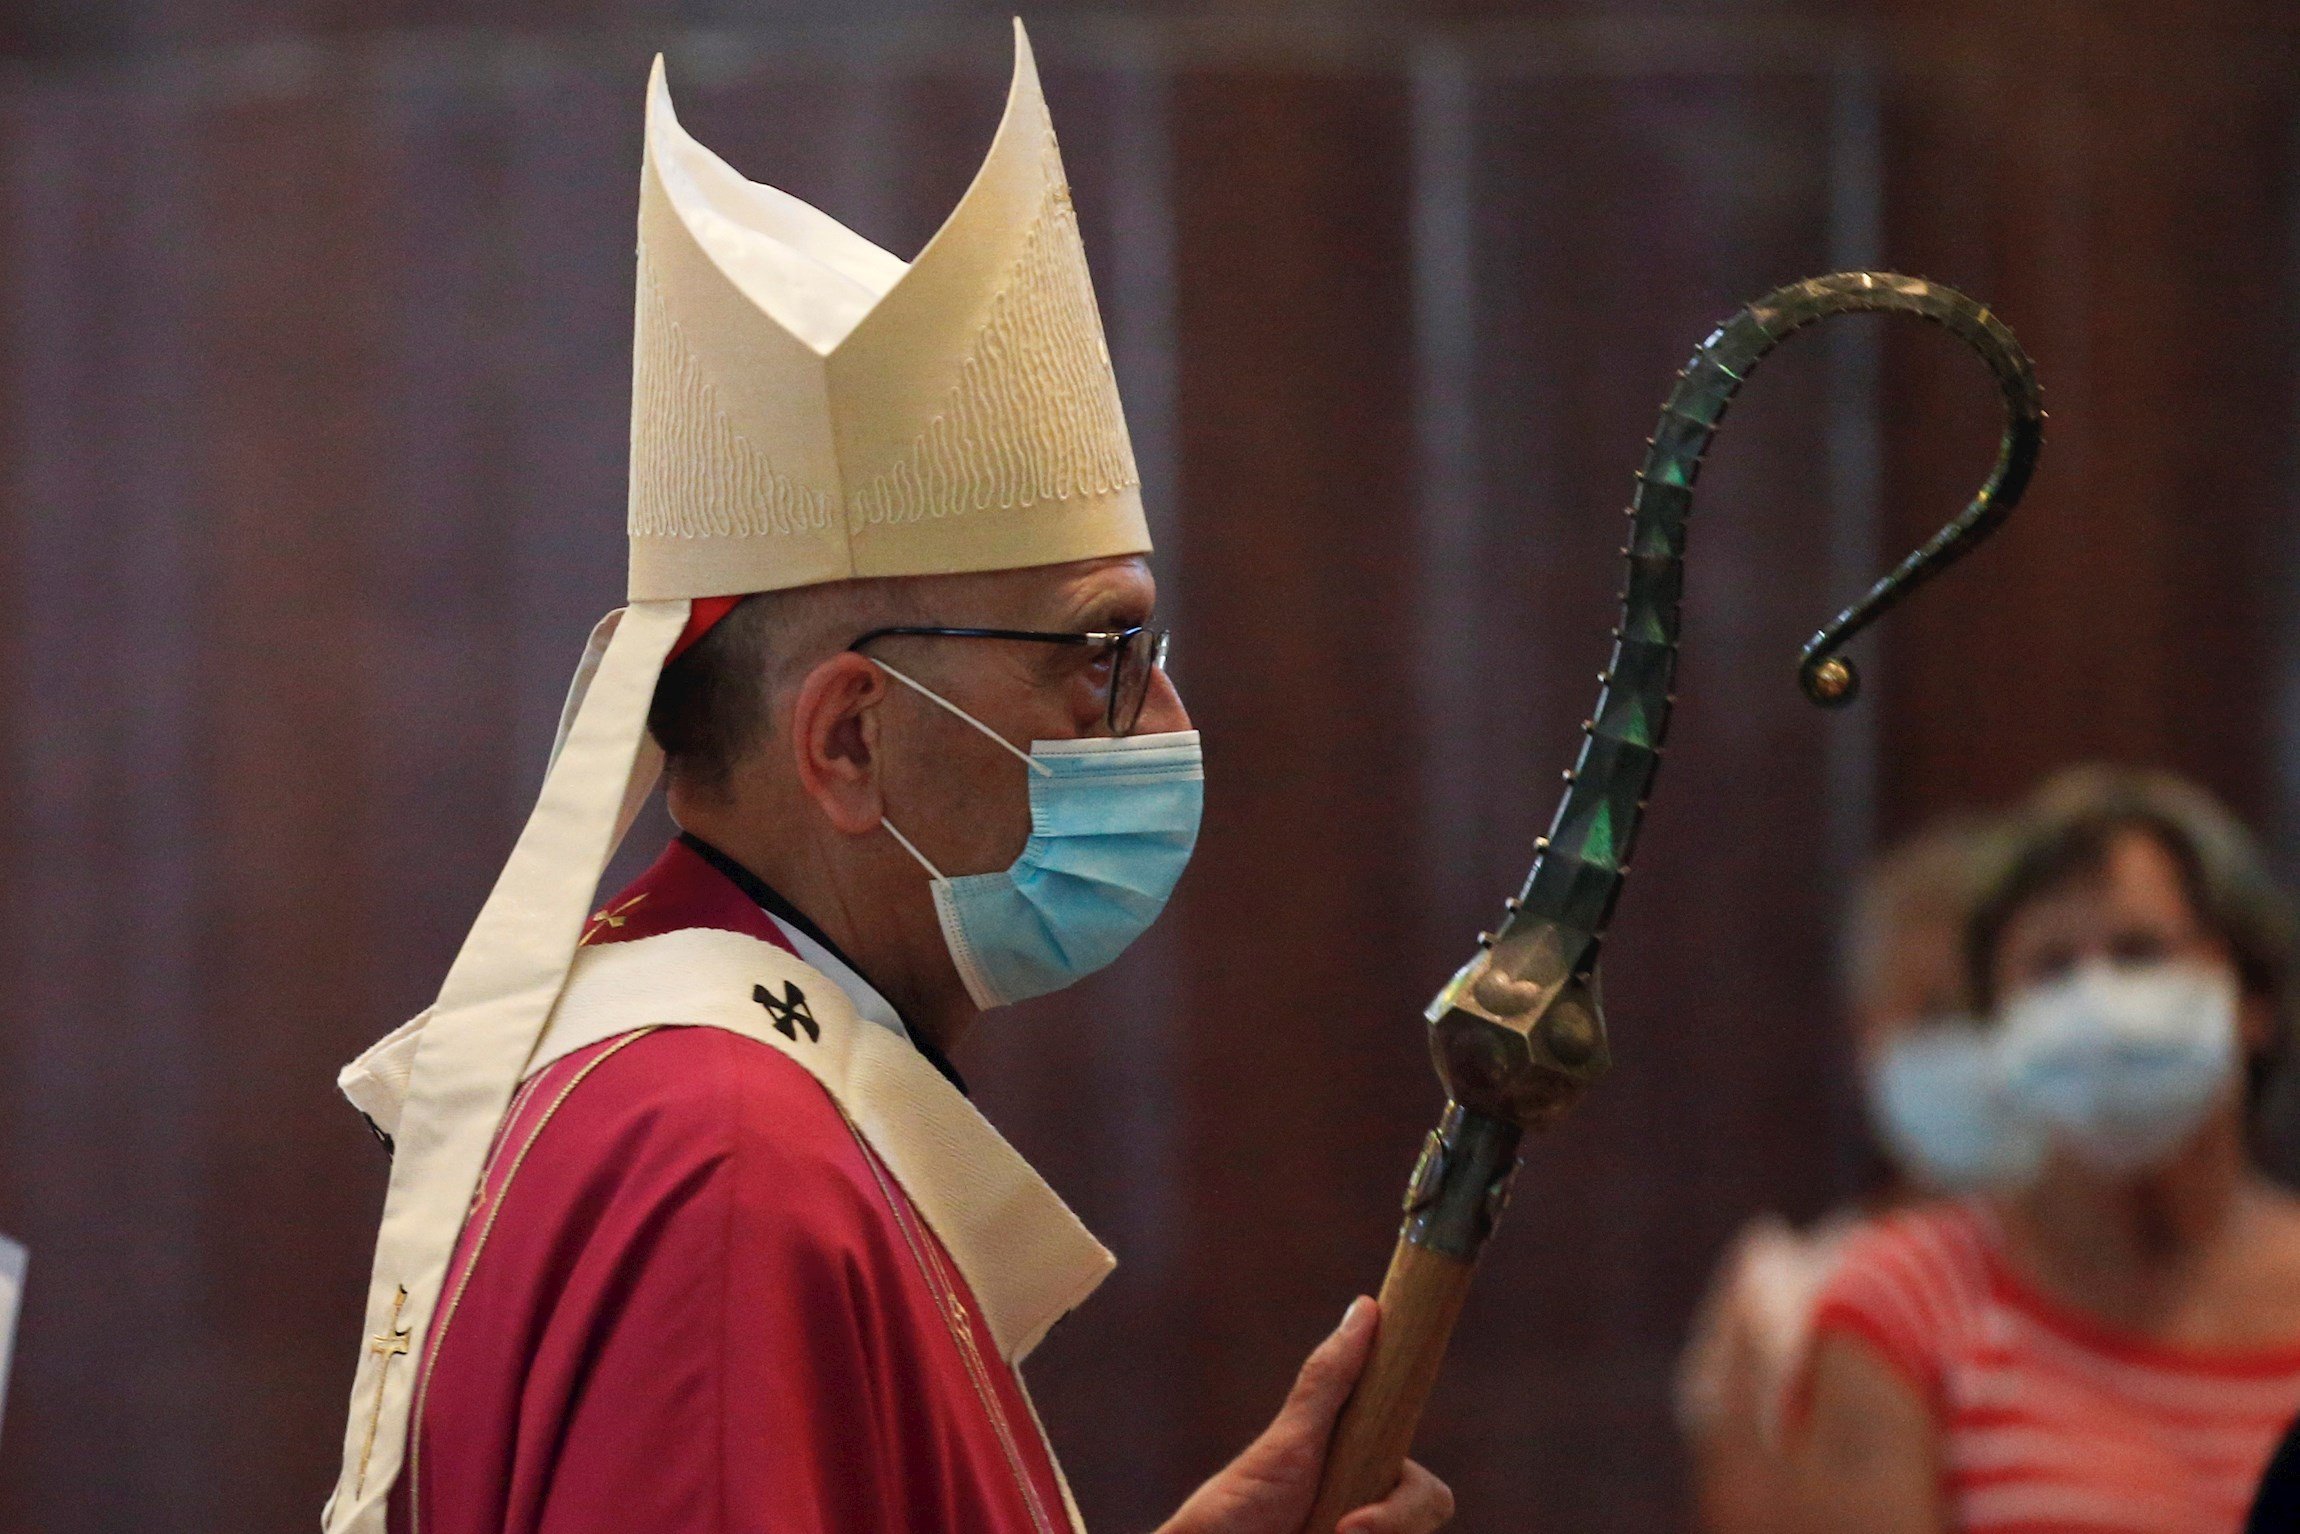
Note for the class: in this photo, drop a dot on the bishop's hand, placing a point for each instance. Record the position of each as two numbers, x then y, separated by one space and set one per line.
1269 1488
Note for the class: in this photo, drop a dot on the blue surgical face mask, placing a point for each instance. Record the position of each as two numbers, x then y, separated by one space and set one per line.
1112 822
2122 1064
1938 1097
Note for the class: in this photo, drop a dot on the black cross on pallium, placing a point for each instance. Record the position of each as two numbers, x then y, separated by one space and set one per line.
789 1011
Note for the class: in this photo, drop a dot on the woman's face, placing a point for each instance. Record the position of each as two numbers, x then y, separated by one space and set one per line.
2136 911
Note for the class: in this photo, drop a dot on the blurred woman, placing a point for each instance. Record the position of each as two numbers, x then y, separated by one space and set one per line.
1903 970
2111 1340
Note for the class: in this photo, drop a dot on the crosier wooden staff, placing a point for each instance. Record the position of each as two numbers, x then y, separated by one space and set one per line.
1518 1034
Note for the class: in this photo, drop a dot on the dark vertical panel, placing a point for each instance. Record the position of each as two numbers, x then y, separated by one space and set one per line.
1294 432
562 295
1617 221
106 1082
438 535
560 284
2119 202
293 331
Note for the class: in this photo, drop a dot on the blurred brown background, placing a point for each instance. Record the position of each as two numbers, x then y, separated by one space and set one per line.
314 324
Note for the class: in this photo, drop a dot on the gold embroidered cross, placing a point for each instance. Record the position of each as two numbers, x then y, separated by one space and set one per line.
385 1347
612 917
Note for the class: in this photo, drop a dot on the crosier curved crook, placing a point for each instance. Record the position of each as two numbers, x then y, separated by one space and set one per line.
1518 1034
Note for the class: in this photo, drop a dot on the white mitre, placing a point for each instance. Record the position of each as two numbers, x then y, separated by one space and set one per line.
805 408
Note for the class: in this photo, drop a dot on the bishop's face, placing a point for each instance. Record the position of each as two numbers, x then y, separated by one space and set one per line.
951 789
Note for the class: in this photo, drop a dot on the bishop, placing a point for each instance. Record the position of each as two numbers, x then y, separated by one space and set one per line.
692 1227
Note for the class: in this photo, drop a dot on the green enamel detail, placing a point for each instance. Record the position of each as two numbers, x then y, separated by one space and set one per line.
1632 726
1597 846
1653 541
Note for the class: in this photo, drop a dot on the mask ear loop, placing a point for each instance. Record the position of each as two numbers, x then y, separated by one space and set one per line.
932 872
937 698
932 696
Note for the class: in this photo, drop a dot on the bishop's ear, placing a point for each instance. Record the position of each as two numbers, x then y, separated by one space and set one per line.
835 743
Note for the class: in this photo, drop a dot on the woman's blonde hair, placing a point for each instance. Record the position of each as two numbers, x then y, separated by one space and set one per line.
1929 880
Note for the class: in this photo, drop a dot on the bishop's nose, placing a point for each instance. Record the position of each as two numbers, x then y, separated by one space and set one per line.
1162 710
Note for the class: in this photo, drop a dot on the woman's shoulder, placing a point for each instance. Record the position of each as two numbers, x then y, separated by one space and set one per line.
1908 1281
1935 1243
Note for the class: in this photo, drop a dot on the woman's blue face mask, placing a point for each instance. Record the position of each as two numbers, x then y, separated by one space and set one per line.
2122 1063
2117 1065
1112 824
1939 1100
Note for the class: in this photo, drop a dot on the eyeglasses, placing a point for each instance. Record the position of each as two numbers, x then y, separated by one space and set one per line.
1133 656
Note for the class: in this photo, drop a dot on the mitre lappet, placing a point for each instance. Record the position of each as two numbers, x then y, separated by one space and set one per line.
806 408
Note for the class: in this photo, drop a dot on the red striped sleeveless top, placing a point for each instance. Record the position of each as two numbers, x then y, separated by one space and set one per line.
2049 1420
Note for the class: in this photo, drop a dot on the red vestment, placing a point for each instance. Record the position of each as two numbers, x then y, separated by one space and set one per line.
691 1300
